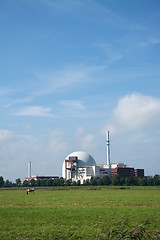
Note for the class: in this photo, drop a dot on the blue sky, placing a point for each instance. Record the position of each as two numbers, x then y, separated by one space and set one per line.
70 70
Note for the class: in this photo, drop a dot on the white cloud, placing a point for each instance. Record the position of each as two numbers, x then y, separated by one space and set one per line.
48 83
79 131
5 135
59 80
135 112
88 142
73 104
5 91
36 111
18 101
56 142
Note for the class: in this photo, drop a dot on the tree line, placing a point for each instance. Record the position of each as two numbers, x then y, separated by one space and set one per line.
116 180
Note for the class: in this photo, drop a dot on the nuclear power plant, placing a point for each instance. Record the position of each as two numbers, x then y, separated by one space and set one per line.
80 166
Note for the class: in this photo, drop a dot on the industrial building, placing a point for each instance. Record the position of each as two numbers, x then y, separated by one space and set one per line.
37 177
81 166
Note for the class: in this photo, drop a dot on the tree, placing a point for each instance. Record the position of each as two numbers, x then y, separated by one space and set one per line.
99 181
135 180
84 182
106 180
116 180
1 181
93 181
129 181
150 181
18 182
44 182
121 181
8 183
87 182
142 181
61 181
78 183
56 182
156 179
49 182
74 183
68 182
32 183
25 183
39 182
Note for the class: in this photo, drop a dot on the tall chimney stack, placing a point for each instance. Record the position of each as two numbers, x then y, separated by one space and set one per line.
108 149
29 169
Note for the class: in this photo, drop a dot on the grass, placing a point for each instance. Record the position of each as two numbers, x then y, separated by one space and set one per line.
81 213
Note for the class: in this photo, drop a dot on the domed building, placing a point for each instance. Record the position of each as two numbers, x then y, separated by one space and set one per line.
82 166
83 159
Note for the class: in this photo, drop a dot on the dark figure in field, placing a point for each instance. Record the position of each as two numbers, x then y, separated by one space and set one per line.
30 190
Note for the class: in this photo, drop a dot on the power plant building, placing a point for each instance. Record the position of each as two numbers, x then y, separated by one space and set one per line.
80 166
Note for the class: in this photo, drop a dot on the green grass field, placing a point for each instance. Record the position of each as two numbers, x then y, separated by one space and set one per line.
80 213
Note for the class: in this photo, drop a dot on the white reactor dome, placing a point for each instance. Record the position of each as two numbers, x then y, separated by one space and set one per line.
84 160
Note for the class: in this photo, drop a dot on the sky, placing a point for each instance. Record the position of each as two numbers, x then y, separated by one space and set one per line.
70 71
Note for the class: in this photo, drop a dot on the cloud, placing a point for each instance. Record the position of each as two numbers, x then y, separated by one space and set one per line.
18 101
5 91
59 80
88 142
5 135
56 142
111 54
74 109
79 131
46 83
73 104
36 111
150 42
135 112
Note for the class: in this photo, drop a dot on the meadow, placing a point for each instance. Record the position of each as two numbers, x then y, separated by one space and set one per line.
80 213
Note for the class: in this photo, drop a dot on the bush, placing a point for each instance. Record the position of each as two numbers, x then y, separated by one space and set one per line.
1 181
